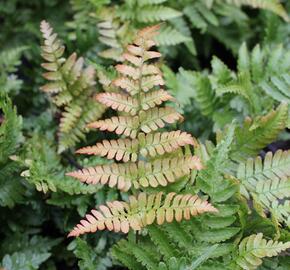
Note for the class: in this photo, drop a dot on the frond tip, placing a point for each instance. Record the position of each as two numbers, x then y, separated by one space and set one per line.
253 248
141 211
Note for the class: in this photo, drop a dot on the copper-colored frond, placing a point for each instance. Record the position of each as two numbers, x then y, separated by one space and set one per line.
142 174
141 211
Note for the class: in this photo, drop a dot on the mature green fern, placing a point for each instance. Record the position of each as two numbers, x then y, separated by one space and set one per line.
272 5
9 61
256 134
45 171
11 188
267 181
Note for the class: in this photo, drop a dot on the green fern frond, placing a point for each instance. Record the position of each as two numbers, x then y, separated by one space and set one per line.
151 14
254 135
254 248
211 180
11 188
272 5
45 172
171 36
160 239
268 182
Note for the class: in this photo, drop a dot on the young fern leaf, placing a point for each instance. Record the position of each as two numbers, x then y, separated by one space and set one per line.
144 153
142 211
71 87
254 248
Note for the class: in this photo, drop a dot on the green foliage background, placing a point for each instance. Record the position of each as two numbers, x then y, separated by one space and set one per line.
223 61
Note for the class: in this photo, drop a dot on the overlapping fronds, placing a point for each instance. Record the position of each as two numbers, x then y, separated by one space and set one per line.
11 188
273 5
211 180
71 87
267 181
254 248
144 153
259 71
142 211
255 134
45 171
119 23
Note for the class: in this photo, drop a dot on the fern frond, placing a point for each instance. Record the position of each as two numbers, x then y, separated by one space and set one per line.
149 145
10 129
254 248
211 180
147 150
11 188
122 252
281 211
160 239
123 176
254 135
171 36
267 181
142 211
152 14
278 87
272 5
71 85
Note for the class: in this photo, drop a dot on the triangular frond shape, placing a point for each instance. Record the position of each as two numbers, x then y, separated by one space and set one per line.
141 211
141 174
254 248
149 156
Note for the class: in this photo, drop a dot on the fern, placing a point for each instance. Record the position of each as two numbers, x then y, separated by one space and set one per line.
45 171
272 5
144 209
9 61
90 258
71 87
256 134
254 248
267 181
119 23
11 191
